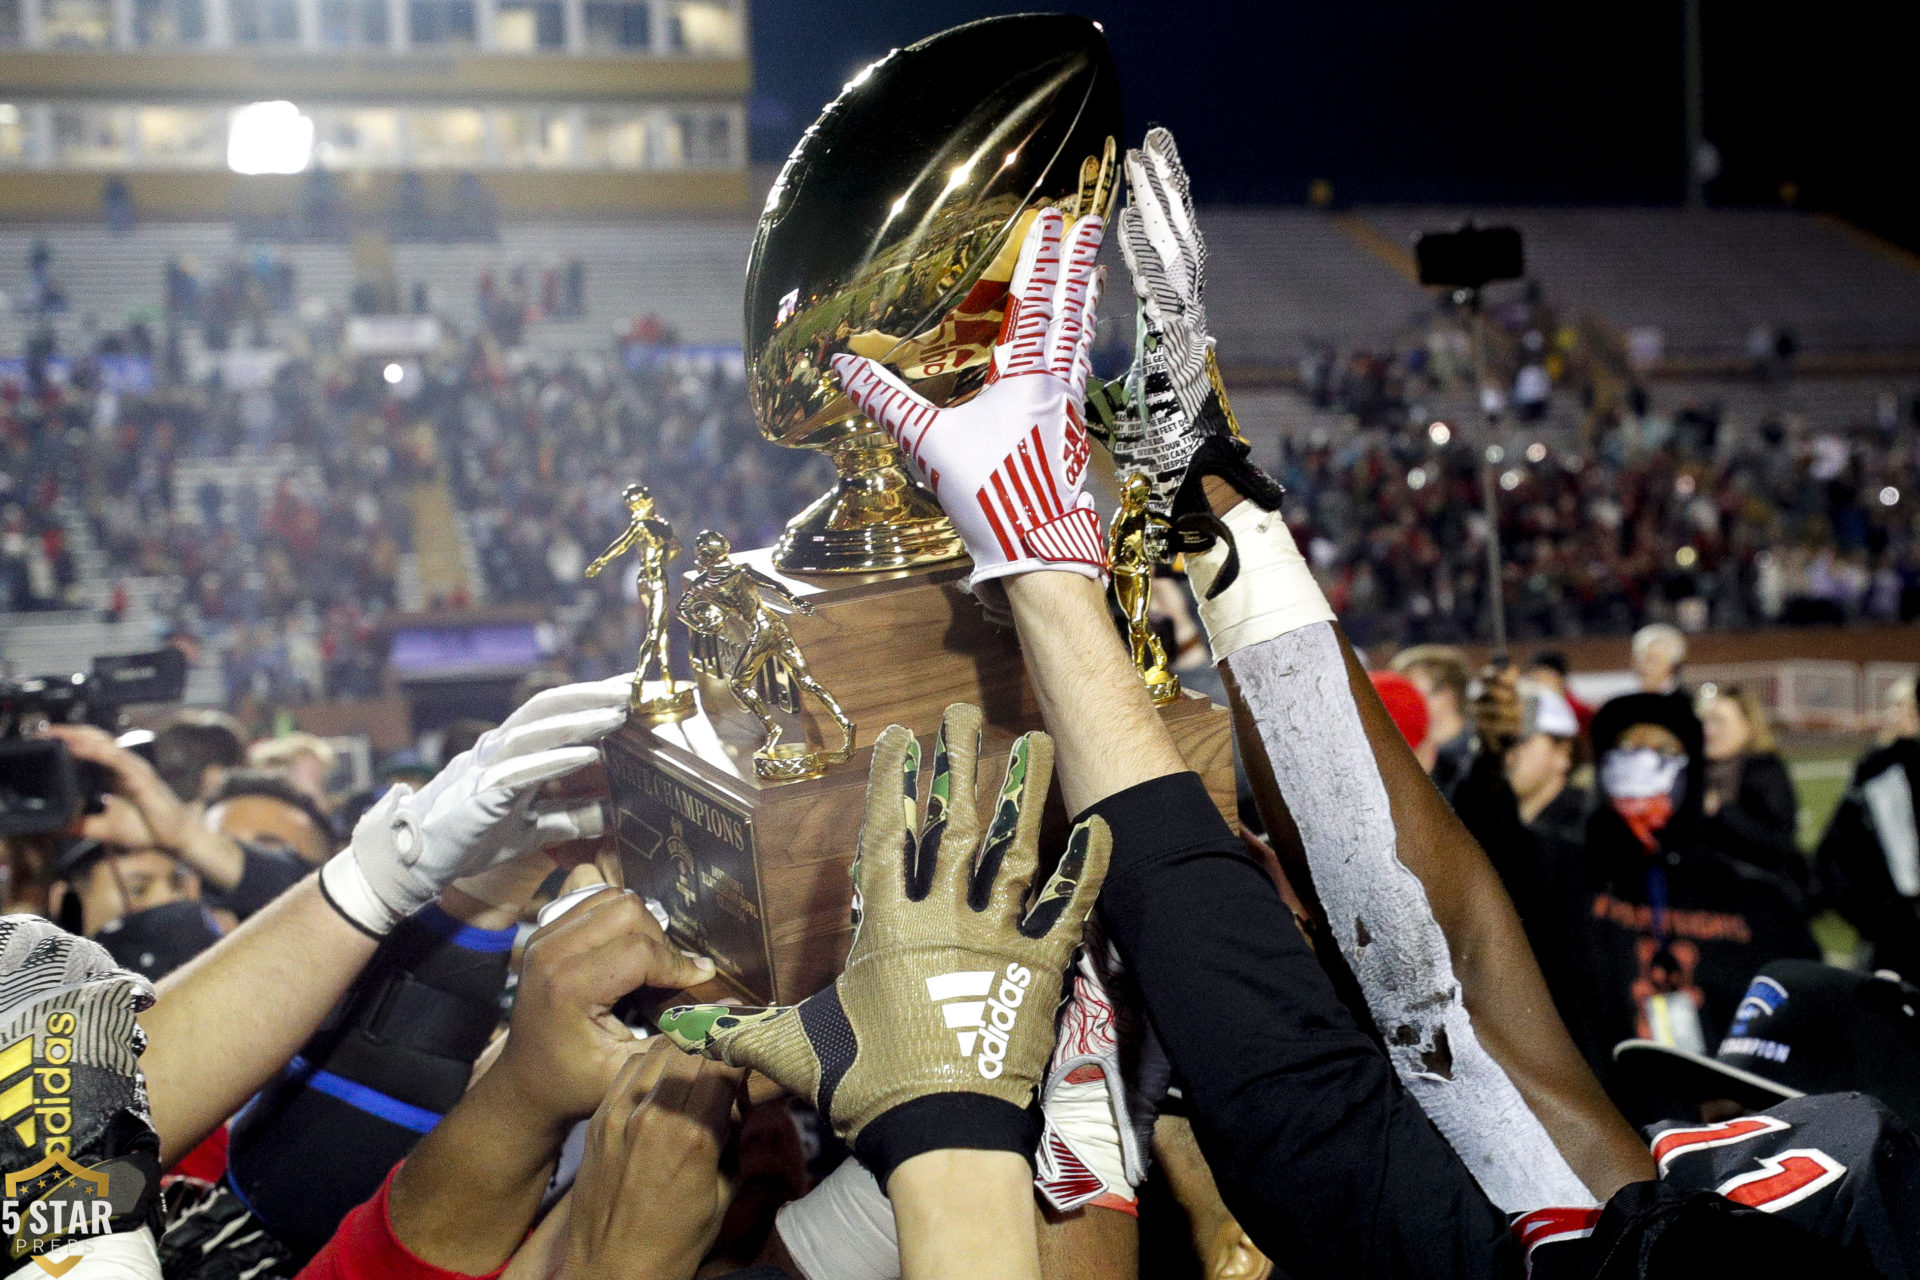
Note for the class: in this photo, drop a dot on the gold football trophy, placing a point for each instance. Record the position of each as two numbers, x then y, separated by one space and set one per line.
665 698
1134 542
891 232
722 593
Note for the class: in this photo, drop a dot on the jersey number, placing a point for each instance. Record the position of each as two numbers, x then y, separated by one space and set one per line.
1783 1179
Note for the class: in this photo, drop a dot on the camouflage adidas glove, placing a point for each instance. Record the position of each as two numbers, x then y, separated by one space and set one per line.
938 1031
1170 419
75 1134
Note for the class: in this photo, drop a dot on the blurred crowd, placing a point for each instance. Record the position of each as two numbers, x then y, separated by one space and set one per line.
278 513
1548 785
1632 511
286 541
1799 529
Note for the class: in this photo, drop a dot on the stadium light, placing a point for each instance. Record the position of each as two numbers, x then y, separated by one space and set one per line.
269 137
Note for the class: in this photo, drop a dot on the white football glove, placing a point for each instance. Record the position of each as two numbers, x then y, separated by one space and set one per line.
478 811
1008 466
1174 417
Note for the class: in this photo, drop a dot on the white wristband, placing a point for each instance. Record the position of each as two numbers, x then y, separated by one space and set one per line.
843 1229
344 885
1274 593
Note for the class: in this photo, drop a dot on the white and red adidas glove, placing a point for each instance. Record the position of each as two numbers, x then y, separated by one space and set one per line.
1088 1152
1008 466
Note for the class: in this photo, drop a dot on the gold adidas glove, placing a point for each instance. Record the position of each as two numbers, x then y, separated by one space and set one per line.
937 1032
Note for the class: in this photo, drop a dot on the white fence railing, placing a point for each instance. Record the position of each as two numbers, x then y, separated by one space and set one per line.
1822 695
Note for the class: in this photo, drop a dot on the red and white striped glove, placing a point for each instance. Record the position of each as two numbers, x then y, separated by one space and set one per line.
1088 1154
1008 466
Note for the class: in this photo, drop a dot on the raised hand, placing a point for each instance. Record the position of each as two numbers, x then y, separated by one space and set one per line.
1178 409
938 1031
479 811
1009 465
68 1024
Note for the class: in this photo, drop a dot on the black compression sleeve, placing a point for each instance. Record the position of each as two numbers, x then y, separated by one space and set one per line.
1329 1167
392 1058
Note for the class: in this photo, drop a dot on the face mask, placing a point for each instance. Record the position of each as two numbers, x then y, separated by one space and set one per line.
159 940
1643 786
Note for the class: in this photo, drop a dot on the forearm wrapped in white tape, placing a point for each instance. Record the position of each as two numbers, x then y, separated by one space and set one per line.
1271 628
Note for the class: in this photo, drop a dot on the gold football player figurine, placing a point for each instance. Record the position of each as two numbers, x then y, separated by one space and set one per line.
1133 541
723 592
665 698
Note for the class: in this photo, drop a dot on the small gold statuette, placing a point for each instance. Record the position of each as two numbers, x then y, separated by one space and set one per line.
724 594
665 698
1133 542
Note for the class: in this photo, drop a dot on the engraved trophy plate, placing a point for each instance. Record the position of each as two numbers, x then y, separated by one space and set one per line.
693 853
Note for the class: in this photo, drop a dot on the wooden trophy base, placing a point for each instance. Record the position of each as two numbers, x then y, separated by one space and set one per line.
753 872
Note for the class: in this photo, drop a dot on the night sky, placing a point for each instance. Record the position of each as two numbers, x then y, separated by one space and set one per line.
1456 101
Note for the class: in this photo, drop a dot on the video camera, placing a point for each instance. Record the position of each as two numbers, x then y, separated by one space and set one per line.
42 787
1470 258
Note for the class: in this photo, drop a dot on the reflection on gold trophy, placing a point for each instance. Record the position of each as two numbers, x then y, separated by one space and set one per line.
664 698
892 232
1133 542
722 593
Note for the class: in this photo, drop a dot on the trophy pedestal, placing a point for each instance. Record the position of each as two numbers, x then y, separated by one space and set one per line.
754 872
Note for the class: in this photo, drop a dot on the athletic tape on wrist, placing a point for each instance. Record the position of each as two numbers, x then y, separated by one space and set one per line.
1274 593
843 1229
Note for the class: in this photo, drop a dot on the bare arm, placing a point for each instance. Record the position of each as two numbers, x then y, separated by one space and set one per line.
947 1233
612 553
1203 931
1090 1244
1499 977
235 1015
1106 735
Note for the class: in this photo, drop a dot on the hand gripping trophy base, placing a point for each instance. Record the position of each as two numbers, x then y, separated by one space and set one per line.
874 518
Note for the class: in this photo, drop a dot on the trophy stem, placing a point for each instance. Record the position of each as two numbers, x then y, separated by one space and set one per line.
874 518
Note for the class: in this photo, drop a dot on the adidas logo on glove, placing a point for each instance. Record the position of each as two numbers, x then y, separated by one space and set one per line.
978 1014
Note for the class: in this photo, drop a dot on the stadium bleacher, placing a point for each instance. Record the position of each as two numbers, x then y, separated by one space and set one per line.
1706 278
1285 282
688 269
